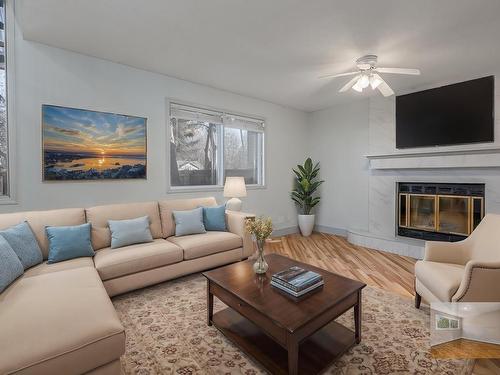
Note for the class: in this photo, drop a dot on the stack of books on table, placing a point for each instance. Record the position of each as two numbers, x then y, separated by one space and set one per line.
296 281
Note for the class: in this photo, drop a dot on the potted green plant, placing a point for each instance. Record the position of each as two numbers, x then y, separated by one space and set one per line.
306 184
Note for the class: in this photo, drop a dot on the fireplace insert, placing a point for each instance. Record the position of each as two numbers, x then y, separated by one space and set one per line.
438 211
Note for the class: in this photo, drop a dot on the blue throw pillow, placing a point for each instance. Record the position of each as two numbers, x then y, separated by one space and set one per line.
22 240
129 232
214 218
69 242
10 265
189 222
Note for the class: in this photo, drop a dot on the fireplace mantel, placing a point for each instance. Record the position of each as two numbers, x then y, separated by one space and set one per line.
464 158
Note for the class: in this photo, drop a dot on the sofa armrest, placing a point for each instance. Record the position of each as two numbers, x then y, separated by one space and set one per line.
236 225
479 283
444 252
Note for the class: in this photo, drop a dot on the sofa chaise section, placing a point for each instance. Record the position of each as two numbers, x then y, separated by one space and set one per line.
57 318
58 321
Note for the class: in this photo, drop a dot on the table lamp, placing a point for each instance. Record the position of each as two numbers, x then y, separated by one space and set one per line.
234 188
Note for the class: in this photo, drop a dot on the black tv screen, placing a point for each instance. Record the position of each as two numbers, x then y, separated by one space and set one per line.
456 114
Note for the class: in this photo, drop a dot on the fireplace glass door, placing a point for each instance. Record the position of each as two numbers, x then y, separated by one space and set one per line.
439 211
454 214
423 212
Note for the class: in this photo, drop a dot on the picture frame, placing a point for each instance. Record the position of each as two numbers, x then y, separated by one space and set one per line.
87 145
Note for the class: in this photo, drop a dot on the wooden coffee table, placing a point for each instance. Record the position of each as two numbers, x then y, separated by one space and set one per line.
283 333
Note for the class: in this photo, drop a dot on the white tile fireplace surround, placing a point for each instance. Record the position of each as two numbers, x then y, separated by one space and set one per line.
388 166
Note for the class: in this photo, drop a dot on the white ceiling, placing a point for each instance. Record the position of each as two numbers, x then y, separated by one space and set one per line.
275 50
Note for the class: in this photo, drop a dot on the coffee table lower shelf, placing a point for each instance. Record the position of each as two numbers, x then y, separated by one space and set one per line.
316 353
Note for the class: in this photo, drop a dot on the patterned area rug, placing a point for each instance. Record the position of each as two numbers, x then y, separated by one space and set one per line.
167 334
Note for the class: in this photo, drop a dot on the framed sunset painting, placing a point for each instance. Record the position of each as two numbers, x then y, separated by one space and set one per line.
80 145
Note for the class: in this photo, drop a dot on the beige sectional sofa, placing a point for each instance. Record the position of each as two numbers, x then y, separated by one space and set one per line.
58 318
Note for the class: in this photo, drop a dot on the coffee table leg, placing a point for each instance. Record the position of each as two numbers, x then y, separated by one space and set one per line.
357 319
293 356
210 304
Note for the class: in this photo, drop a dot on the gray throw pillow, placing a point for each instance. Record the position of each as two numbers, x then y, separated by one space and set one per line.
10 265
189 222
129 232
22 240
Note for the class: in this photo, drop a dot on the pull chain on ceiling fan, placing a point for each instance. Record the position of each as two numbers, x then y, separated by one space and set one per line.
368 75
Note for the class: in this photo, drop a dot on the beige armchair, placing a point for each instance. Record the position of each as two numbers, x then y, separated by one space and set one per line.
464 271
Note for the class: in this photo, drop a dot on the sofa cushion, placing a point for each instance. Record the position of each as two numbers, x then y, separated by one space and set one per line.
129 232
98 216
168 206
442 279
23 241
112 263
58 323
45 267
69 242
200 245
39 219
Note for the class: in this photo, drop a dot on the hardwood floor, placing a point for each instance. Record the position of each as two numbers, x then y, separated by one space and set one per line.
463 348
376 268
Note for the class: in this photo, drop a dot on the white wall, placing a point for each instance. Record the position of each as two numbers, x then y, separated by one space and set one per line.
338 139
46 75
482 327
440 336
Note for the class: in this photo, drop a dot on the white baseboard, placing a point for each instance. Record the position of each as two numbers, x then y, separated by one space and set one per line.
279 232
330 230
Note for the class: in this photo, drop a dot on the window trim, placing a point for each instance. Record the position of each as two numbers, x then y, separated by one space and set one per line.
439 316
220 184
10 35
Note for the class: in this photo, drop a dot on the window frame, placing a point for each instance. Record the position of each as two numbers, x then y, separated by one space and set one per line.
442 316
10 32
220 150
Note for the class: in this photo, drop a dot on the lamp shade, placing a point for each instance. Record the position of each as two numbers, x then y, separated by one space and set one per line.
235 187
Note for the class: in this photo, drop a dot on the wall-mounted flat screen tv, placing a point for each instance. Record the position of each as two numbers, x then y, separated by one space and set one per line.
455 114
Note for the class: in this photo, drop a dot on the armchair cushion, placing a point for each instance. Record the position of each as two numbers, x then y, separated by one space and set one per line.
441 279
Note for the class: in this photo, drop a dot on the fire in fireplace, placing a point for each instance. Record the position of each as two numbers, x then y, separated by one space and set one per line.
437 211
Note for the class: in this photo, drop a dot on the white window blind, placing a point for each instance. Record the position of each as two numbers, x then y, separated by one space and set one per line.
209 145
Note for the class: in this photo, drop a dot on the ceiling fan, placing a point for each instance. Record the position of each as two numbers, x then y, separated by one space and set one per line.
368 75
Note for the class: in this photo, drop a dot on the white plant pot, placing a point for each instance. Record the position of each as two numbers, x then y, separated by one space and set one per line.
306 224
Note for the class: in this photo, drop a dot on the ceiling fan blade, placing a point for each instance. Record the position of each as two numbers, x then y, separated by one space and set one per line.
414 72
384 88
349 84
338 75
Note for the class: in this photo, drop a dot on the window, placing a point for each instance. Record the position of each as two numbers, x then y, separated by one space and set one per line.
4 140
206 146
444 322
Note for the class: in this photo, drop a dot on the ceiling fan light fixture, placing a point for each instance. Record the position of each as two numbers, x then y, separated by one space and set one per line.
368 75
364 81
357 87
374 82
